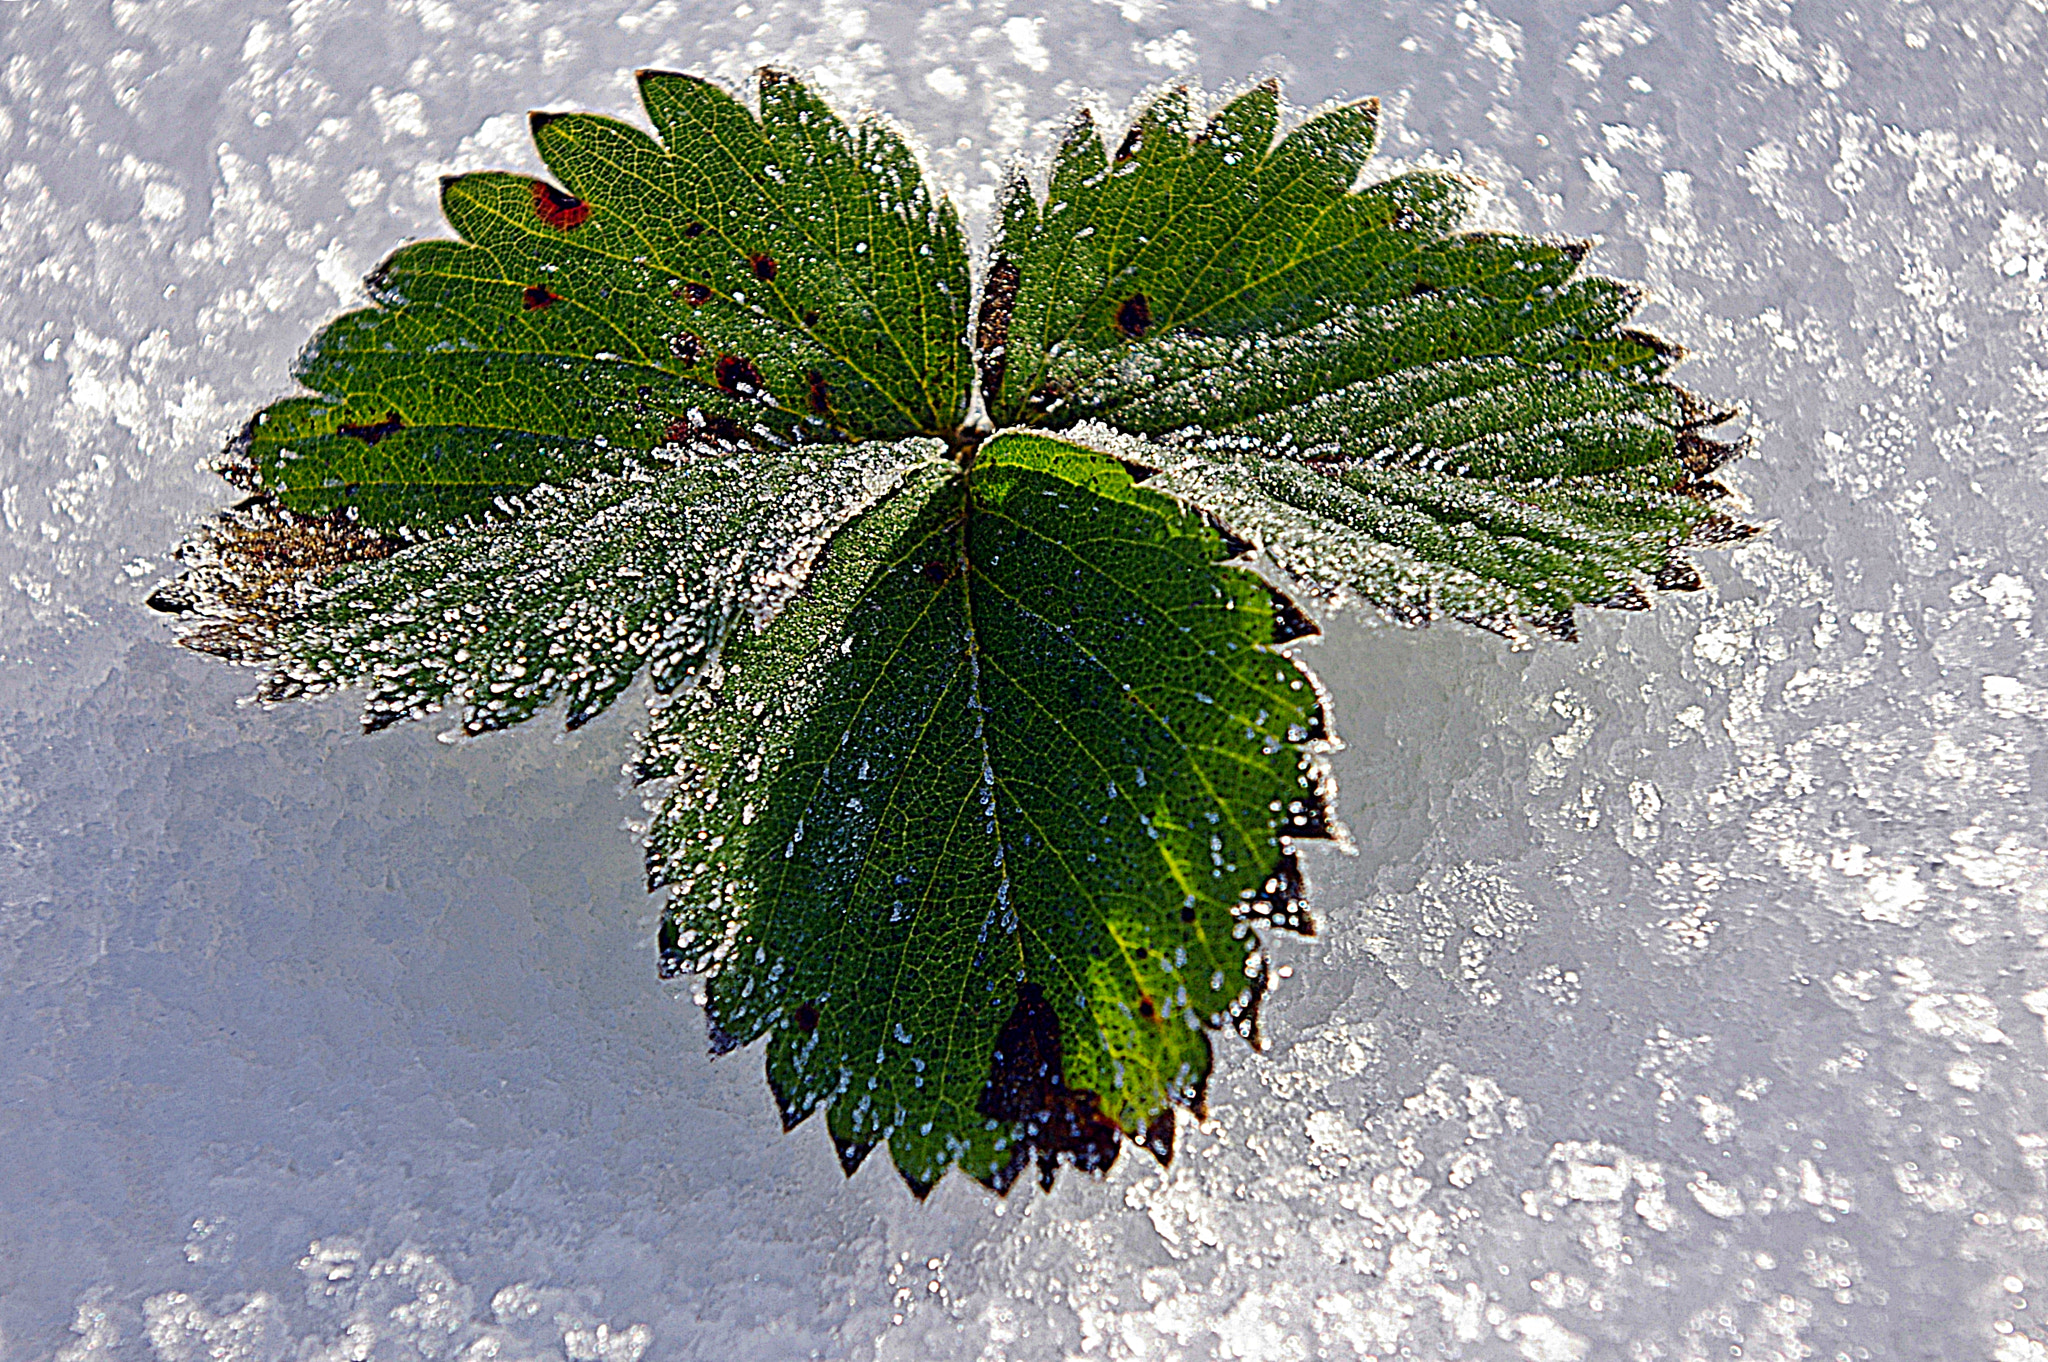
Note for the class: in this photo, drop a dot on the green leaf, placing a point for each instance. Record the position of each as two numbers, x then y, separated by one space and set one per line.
781 277
1021 749
978 768
1442 423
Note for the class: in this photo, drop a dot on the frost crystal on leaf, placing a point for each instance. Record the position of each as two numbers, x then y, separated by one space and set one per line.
979 765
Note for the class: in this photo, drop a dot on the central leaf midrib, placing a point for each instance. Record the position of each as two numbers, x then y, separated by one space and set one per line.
1153 715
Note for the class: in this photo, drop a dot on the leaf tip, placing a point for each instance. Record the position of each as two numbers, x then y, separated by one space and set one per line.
1629 596
1667 352
718 1040
1290 621
1677 574
537 119
854 1153
792 1112
1158 1137
1702 456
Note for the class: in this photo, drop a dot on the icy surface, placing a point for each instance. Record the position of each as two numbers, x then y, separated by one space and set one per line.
1687 994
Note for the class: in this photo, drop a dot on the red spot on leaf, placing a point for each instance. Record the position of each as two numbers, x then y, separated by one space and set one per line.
1134 318
821 393
694 229
806 1018
738 376
763 266
537 298
696 295
686 348
557 209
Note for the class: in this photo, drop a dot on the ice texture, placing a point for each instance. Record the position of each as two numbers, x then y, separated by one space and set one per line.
1687 992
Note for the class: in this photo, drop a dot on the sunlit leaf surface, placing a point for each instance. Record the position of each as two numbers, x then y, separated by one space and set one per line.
1440 422
977 763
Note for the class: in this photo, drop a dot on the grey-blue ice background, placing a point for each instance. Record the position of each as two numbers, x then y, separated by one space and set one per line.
1686 998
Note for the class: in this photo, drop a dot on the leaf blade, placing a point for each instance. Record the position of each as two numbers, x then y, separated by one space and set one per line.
668 292
1030 656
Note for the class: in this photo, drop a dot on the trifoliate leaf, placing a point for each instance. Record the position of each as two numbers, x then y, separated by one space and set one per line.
979 768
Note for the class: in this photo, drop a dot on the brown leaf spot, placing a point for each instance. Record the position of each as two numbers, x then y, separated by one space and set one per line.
695 294
557 209
820 392
806 1018
686 348
1027 1087
738 376
695 229
241 566
1134 318
763 266
992 327
810 319
1627 596
938 572
537 298
370 434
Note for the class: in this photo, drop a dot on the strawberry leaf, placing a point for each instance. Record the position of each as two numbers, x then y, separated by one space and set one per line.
977 763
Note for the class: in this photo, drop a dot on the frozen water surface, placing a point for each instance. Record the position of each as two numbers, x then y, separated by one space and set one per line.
1686 998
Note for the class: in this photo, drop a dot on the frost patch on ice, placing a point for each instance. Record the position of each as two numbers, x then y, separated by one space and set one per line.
1539 1338
1952 1016
357 1305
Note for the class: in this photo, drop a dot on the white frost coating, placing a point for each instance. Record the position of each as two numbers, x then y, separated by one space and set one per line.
649 566
303 984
